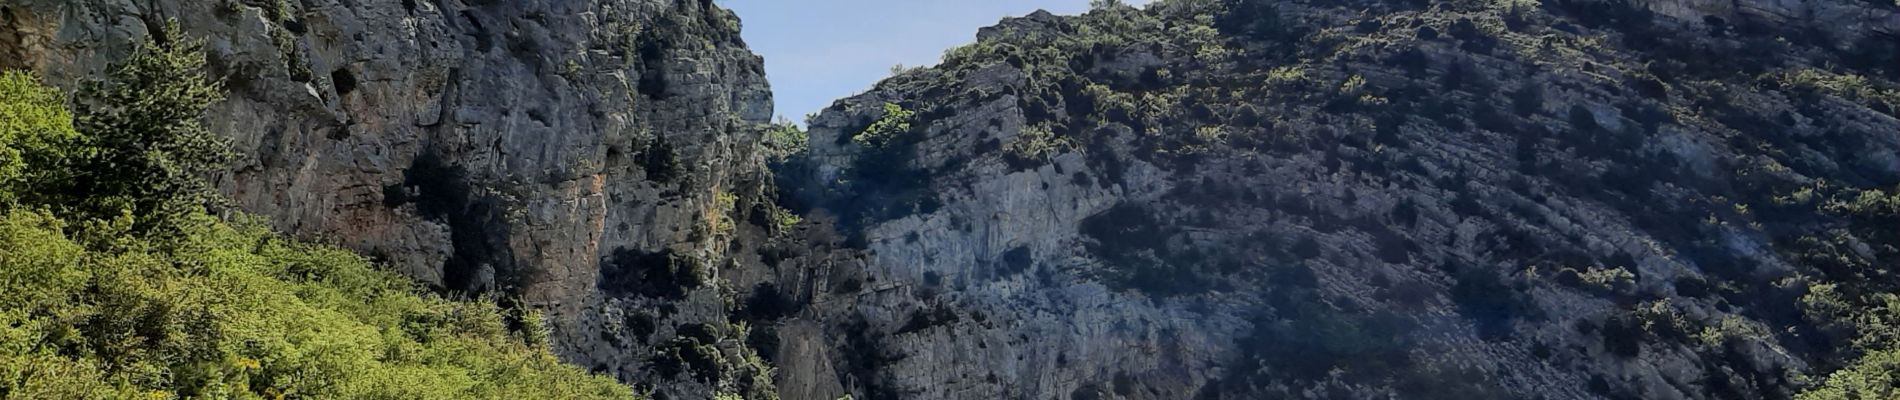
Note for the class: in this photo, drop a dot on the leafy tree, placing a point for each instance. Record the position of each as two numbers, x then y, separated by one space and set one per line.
784 140
146 152
1872 377
34 124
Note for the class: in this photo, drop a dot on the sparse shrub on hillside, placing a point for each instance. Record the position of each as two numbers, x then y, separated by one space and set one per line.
1730 329
694 352
894 122
1662 320
780 219
1868 203
1851 87
1616 280
1034 146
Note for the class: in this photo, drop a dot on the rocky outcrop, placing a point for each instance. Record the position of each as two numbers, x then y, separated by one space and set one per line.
1324 199
1848 20
486 147
1203 198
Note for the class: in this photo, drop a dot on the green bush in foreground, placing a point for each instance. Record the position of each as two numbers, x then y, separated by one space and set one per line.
33 125
232 311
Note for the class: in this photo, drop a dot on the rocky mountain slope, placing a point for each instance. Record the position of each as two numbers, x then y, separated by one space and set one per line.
541 151
1358 199
1199 199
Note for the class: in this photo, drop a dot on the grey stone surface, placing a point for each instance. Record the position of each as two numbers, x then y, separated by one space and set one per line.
538 149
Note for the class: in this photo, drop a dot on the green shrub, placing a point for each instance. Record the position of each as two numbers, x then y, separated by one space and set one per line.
231 311
1035 145
1608 280
34 127
144 151
896 121
1873 377
1847 86
1868 203
784 140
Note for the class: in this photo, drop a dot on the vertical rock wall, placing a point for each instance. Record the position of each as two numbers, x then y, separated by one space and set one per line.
506 147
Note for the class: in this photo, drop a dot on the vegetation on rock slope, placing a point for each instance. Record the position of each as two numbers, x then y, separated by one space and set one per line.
1575 178
115 282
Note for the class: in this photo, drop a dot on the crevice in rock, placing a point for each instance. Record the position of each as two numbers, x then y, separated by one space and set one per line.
481 260
344 81
476 31
653 77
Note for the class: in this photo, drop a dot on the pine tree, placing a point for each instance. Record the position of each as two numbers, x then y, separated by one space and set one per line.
147 150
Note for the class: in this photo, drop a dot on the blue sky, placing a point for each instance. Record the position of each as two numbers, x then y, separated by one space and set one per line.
818 51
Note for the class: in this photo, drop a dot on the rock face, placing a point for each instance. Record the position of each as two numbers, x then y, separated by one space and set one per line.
1201 199
1325 199
508 147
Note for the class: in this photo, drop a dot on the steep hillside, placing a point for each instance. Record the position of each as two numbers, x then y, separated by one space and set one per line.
552 153
1358 199
115 283
1240 199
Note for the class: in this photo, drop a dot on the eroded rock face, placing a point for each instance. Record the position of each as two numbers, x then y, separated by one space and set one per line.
509 147
1215 199
1250 199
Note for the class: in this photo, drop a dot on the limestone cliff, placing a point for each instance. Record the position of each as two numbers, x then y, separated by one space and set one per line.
521 148
1358 199
1200 199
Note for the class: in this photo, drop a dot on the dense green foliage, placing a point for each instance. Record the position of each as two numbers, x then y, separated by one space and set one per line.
33 124
231 311
143 152
116 283
782 141
144 148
